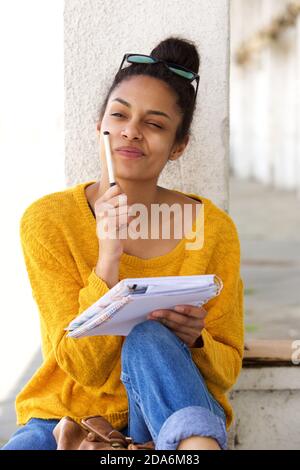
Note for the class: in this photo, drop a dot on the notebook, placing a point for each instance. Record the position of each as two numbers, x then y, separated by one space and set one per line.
131 300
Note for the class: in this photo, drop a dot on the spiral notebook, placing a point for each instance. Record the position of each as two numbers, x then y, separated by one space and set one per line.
131 300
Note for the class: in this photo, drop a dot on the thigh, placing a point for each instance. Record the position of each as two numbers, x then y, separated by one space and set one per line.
34 435
161 377
156 363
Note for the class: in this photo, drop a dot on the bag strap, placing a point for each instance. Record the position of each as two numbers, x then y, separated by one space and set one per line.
101 430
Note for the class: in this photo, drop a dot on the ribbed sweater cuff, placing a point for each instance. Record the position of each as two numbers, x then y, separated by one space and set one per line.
98 286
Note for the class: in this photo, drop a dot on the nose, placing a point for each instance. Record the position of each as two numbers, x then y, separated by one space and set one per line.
131 132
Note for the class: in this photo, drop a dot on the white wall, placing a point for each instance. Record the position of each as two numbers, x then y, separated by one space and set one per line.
32 159
265 99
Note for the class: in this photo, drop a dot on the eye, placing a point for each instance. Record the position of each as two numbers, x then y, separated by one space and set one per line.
156 125
150 123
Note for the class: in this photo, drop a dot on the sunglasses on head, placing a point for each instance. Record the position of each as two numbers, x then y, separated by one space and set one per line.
175 68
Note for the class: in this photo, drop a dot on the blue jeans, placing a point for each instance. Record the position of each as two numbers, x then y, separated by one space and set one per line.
167 395
35 435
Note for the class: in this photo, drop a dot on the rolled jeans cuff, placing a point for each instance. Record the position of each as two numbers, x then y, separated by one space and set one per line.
191 421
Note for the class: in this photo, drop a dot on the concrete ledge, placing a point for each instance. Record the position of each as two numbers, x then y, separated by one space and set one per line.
266 400
269 378
268 352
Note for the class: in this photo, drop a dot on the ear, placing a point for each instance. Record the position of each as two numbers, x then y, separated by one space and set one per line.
178 149
98 128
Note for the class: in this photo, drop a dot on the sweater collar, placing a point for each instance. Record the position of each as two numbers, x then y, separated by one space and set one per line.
135 261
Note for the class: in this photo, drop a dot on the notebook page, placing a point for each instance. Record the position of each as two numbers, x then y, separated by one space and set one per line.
136 310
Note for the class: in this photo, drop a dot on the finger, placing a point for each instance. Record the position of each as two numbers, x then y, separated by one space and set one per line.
191 332
188 327
191 311
119 200
111 192
179 318
125 222
122 230
110 226
116 211
185 338
115 217
110 204
123 219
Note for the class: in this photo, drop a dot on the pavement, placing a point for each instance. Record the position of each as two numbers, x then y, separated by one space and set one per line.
268 222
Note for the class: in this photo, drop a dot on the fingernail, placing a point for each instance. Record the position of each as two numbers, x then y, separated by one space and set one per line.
155 314
179 309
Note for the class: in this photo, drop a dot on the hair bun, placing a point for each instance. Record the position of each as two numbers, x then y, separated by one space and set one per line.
179 51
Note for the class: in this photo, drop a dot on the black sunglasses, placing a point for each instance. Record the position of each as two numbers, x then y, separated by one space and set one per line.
175 68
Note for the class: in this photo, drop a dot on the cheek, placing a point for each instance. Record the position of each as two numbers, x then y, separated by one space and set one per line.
160 143
160 155
106 123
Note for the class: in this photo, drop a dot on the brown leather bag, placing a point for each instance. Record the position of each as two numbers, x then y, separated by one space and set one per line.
93 433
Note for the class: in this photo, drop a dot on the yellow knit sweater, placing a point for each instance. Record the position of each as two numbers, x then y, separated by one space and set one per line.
81 377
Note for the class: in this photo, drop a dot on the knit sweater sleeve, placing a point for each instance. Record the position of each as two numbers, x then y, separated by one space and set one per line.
220 359
60 297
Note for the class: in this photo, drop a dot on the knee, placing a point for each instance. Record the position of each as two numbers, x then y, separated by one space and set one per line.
146 332
146 336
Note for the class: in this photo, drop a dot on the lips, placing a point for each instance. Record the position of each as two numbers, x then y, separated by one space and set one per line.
130 151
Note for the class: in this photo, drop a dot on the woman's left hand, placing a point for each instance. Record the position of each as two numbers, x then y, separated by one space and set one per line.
186 321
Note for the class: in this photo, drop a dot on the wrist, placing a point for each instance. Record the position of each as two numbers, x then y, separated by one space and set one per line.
106 260
107 269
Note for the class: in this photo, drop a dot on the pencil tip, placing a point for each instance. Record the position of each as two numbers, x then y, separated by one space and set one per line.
106 133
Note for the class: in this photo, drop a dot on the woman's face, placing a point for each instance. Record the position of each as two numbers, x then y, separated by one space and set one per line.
142 112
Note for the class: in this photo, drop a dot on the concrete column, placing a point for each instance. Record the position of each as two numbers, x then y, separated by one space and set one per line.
282 106
297 104
98 33
265 99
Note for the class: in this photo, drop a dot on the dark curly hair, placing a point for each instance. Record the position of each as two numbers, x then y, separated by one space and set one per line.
179 51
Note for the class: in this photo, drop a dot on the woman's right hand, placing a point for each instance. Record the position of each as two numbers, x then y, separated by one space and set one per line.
111 211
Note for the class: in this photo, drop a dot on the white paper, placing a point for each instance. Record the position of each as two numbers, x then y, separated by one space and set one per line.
124 311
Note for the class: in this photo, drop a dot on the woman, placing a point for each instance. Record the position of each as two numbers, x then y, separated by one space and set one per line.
167 380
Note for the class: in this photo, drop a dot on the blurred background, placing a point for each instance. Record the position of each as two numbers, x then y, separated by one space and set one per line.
265 161
264 166
32 165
